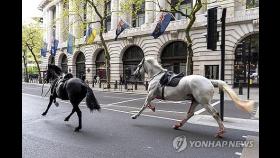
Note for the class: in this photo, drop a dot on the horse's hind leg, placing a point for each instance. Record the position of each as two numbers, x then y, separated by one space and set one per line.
79 113
189 115
68 117
49 105
215 115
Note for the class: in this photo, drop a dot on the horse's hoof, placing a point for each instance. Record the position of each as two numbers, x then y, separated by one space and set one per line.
220 134
153 109
77 129
66 119
56 104
44 114
133 117
177 126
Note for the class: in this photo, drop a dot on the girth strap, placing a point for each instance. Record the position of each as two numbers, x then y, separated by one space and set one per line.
162 93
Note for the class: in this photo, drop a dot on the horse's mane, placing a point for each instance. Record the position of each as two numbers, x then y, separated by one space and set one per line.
154 62
55 68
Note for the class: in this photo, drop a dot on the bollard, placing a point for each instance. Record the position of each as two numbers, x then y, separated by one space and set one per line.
240 89
99 84
116 85
125 85
146 85
135 86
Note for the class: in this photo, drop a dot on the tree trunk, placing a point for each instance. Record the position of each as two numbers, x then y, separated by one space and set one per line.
36 61
107 57
25 67
192 18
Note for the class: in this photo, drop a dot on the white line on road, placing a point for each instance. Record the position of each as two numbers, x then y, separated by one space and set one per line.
123 102
203 109
179 112
166 118
117 97
199 119
237 153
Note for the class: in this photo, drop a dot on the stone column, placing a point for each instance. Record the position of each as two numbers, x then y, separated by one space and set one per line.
114 14
149 13
57 22
125 15
76 21
95 18
60 23
162 4
45 24
50 27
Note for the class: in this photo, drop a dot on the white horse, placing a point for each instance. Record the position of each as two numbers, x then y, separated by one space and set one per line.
193 87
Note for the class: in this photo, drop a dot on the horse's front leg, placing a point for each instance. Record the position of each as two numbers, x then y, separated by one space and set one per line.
49 105
147 103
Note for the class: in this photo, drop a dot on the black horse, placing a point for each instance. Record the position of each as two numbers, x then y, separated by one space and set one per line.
66 87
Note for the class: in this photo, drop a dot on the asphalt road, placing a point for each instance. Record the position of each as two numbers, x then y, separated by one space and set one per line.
112 133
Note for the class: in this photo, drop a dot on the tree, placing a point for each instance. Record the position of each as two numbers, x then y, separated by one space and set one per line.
78 10
32 42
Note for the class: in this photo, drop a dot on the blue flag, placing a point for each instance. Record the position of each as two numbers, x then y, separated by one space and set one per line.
122 25
88 33
44 49
162 24
70 43
54 47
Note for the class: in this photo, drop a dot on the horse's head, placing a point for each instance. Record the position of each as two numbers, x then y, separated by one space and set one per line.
53 72
140 70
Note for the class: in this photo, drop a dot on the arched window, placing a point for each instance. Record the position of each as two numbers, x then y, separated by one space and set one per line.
51 60
64 65
80 65
174 57
100 65
248 45
131 58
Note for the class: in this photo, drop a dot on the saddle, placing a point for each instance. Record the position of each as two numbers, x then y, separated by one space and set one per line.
171 79
60 86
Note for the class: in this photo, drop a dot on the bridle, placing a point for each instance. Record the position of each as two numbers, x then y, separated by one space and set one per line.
139 68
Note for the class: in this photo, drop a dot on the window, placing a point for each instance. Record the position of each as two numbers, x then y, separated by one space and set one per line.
184 6
139 18
212 71
252 4
108 17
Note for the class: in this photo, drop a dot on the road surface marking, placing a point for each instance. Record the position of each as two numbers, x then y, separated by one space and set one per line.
197 119
166 118
119 97
147 109
237 153
122 102
203 109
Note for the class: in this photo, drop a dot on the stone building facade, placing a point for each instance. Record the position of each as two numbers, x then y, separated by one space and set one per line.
242 24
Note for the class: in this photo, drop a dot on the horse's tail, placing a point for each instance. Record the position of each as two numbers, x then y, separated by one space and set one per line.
91 101
245 105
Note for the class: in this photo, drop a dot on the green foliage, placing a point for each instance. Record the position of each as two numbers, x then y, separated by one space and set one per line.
32 38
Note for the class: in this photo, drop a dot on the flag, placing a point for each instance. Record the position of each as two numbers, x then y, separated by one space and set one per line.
70 43
54 47
162 24
122 25
90 35
44 49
